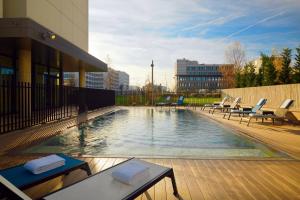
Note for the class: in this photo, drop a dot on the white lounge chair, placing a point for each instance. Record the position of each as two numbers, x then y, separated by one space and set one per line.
102 185
278 114
222 103
247 111
233 105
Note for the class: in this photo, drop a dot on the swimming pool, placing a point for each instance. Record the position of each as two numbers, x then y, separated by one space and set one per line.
155 132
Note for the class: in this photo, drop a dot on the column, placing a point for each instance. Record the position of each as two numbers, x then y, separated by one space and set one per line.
24 61
82 81
24 104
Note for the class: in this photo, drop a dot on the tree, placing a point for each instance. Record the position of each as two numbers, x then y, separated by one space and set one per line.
269 72
259 77
250 78
227 71
285 73
235 54
296 75
238 79
244 76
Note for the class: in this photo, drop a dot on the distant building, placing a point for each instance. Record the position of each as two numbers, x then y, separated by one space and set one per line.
123 82
95 80
277 61
194 77
71 79
112 80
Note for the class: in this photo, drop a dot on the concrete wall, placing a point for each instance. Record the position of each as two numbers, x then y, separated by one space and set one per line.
275 95
1 8
67 18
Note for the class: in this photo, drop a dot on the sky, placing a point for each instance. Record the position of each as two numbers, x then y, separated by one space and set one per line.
129 34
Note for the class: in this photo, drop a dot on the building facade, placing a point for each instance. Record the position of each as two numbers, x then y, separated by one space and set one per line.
40 42
112 79
194 77
123 82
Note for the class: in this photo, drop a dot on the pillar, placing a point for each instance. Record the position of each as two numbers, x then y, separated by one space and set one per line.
82 81
24 60
24 76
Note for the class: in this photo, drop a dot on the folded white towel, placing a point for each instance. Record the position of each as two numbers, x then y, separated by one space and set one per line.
131 173
44 164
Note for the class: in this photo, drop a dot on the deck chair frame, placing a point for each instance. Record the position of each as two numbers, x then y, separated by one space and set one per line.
143 188
84 166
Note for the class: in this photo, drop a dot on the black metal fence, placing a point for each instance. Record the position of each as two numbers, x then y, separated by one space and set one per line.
23 105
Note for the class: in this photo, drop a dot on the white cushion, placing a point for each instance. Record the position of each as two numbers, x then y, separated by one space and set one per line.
131 173
44 164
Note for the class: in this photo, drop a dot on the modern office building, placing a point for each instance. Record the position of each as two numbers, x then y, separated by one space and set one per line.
194 77
95 80
123 81
112 79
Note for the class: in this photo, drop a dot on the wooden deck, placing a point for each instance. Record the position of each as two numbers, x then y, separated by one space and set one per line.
198 179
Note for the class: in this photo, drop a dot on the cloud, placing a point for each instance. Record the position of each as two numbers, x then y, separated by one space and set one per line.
255 24
134 32
217 21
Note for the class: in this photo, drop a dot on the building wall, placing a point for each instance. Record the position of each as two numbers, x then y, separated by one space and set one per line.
194 77
123 80
96 80
1 8
67 18
275 95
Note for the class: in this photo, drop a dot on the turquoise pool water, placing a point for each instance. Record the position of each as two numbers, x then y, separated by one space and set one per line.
155 132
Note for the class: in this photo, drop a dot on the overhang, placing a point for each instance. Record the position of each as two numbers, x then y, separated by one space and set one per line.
27 28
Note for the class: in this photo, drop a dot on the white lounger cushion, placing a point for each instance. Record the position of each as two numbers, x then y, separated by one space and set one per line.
44 164
104 186
131 173
286 103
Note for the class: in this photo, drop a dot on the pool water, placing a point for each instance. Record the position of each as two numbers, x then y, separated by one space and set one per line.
155 132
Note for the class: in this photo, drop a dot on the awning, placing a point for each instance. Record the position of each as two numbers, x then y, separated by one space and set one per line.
27 28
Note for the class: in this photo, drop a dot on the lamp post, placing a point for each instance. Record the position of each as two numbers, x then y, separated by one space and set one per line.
152 65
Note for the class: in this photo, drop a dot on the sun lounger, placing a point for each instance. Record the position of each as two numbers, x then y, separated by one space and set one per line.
233 105
179 102
247 111
103 185
22 178
165 103
222 103
279 114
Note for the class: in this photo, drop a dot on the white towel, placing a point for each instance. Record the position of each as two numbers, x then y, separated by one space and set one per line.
44 164
131 173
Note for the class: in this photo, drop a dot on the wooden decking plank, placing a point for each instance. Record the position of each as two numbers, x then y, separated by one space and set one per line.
201 179
168 183
282 181
243 174
160 187
239 183
253 174
233 183
190 179
269 180
181 182
219 189
228 184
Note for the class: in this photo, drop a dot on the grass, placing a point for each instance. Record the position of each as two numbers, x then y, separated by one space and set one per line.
201 100
129 100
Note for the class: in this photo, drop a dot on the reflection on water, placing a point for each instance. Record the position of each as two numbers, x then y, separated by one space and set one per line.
154 132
